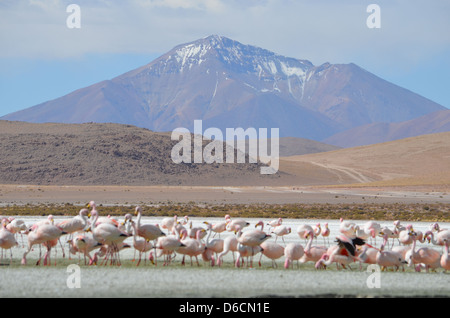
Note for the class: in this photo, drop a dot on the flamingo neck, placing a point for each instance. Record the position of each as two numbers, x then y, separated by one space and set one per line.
308 245
138 222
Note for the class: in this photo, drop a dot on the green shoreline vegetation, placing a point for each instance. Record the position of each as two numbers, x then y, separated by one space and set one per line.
426 212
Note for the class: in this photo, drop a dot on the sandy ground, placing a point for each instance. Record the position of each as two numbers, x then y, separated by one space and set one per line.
123 195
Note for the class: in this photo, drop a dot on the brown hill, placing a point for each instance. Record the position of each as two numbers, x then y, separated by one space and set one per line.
412 161
107 154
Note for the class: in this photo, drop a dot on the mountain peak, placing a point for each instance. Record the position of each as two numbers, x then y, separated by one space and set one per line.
229 84
238 56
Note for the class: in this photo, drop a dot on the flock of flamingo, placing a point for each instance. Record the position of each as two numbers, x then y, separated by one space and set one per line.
96 238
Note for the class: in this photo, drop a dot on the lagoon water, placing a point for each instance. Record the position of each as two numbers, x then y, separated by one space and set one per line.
176 281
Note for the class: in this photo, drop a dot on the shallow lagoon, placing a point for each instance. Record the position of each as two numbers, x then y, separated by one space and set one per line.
176 281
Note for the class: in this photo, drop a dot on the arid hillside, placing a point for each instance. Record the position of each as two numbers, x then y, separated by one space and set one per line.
411 161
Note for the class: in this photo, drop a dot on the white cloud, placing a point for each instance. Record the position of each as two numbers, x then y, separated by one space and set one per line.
334 31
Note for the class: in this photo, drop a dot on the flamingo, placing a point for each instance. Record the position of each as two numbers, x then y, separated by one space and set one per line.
373 228
254 238
247 251
271 250
86 244
440 237
424 255
7 239
389 258
348 245
230 243
436 228
217 228
192 232
303 229
169 222
110 235
364 233
275 223
312 253
16 226
281 231
214 246
142 245
333 256
233 225
325 233
149 232
168 245
77 223
192 247
367 254
347 228
317 230
445 260
405 236
389 233
292 252
343 253
39 235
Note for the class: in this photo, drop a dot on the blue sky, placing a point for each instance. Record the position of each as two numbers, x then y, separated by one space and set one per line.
42 59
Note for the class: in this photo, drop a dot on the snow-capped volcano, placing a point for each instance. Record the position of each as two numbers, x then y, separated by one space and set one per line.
228 84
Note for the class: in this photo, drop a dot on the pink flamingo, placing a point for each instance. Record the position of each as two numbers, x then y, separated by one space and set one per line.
169 222
140 245
192 232
440 237
234 225
39 235
424 255
390 234
192 247
217 228
332 256
16 226
168 245
110 235
214 246
7 239
77 223
230 243
312 253
281 231
149 232
325 233
445 260
303 229
271 250
86 244
254 238
347 228
247 252
292 252
275 223
367 254
405 236
389 258
317 230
